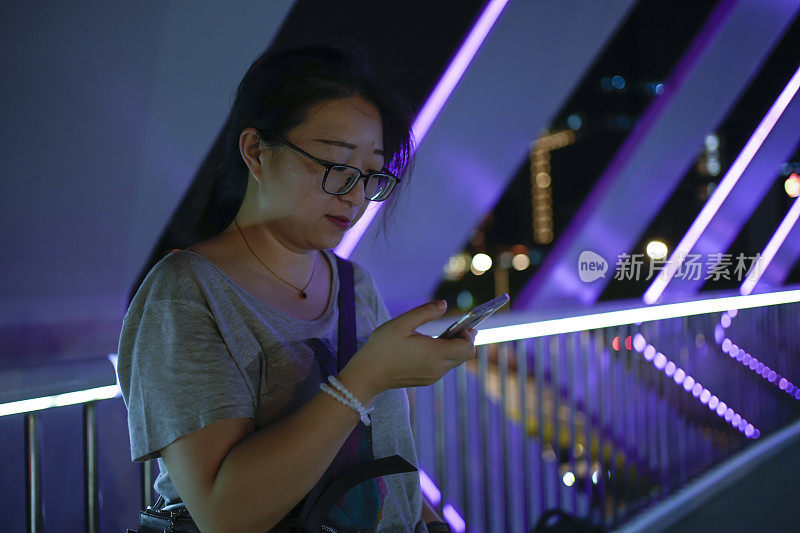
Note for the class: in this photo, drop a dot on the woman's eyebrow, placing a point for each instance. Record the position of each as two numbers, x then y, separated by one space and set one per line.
343 144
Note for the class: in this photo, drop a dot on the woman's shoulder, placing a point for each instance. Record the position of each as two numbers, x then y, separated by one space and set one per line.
176 276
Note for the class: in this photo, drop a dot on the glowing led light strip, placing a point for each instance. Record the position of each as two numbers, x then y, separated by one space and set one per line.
59 400
748 360
632 316
429 488
491 335
692 386
422 123
722 190
457 523
763 261
434 495
67 398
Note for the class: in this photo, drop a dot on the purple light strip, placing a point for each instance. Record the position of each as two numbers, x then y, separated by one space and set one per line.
722 190
771 249
457 523
643 127
434 495
422 123
456 69
429 488
681 377
738 353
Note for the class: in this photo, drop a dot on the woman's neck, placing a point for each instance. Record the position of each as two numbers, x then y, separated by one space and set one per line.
258 243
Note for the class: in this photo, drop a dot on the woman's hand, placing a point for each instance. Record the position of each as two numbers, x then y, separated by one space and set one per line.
397 356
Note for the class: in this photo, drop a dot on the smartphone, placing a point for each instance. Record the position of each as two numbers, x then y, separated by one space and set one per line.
474 316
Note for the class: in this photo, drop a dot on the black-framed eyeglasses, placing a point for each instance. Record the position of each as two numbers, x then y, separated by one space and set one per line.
340 179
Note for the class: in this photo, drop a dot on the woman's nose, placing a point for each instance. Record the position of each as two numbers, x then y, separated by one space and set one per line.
355 196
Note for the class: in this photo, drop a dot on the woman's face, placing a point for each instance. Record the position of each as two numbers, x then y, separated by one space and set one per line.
290 199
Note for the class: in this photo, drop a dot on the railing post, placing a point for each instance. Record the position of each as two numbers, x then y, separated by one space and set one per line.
147 483
572 403
91 511
33 477
505 492
539 356
522 391
602 472
584 366
465 486
483 376
554 358
440 435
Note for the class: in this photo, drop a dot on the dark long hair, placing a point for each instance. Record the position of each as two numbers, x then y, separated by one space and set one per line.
275 95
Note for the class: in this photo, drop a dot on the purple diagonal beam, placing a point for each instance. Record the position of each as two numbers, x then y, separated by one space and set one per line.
785 258
738 194
762 264
511 89
422 123
661 147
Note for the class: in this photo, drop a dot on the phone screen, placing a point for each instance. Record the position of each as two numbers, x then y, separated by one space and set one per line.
475 316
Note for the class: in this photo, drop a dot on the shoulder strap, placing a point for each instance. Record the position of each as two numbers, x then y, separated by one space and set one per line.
347 312
316 506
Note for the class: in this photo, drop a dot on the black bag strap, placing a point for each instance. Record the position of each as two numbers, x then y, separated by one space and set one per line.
394 464
314 513
347 312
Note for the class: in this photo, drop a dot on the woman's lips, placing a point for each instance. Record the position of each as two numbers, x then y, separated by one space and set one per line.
340 222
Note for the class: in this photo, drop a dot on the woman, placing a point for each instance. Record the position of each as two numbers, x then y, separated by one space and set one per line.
226 343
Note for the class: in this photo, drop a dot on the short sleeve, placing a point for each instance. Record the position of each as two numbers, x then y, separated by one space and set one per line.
374 298
176 374
380 307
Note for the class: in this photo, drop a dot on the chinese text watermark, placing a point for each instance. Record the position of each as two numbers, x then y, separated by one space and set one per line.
716 266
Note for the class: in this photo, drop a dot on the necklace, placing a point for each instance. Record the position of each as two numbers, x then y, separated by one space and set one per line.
302 292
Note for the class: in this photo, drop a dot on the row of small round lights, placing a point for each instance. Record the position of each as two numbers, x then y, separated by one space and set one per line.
689 384
541 179
747 360
710 161
480 263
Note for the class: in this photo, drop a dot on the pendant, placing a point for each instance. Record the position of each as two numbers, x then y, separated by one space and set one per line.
303 295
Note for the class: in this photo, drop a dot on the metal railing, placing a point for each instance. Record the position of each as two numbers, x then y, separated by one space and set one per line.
599 415
603 422
29 391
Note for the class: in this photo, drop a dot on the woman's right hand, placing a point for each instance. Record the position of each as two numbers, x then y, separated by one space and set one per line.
396 356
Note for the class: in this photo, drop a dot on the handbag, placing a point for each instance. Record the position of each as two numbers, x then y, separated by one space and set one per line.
309 515
154 519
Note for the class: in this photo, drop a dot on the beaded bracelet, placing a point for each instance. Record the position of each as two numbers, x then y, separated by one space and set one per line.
363 413
350 402
338 384
336 395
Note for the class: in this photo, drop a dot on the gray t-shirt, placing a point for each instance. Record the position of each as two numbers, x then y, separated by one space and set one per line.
196 348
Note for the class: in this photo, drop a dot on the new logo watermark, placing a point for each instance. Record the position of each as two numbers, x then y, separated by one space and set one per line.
591 266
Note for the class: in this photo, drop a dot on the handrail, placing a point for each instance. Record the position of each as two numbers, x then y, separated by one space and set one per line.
516 325
603 413
27 389
556 373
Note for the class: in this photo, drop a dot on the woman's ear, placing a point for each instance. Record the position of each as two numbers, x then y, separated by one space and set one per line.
251 149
